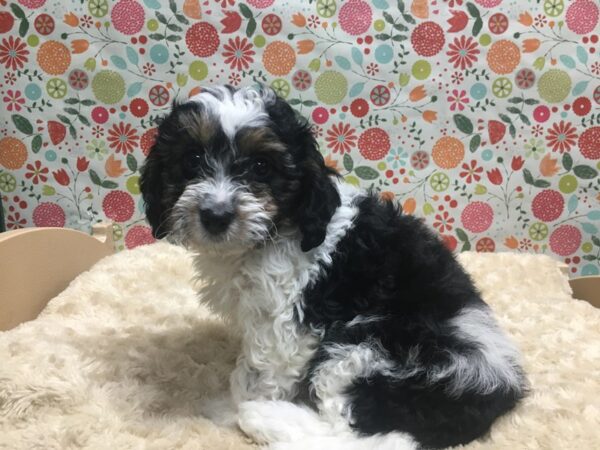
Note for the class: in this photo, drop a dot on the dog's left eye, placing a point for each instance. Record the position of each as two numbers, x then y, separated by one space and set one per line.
260 167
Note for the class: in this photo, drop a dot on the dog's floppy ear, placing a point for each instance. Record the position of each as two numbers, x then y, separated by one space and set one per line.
153 175
318 197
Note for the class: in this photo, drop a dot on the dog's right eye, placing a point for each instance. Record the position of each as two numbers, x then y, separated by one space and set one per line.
193 159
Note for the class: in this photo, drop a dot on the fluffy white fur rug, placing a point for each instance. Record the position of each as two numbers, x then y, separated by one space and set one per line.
125 358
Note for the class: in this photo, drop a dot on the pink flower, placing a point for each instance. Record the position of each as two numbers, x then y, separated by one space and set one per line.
123 138
13 53
463 52
13 100
458 100
341 138
238 53
561 136
443 222
458 21
36 172
471 172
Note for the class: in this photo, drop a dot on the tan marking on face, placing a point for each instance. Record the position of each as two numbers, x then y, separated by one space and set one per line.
200 126
258 140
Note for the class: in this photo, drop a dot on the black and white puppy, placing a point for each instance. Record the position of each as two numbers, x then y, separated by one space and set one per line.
359 328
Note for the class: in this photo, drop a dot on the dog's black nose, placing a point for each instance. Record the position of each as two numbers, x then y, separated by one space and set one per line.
217 218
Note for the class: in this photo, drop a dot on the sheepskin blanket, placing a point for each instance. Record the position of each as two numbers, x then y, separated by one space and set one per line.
127 358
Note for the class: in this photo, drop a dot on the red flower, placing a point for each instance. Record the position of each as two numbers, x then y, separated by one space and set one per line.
122 137
62 177
36 172
562 136
13 53
458 21
458 99
341 138
443 222
494 176
13 100
82 163
231 22
238 53
517 163
463 52
471 172
14 222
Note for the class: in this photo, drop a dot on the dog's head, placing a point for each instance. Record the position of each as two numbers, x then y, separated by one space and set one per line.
233 168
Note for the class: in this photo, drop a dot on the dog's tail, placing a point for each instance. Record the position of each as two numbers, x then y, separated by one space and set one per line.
286 426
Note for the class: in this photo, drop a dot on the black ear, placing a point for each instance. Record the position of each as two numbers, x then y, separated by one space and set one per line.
151 186
317 197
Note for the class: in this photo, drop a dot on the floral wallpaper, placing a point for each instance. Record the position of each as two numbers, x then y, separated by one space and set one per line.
481 116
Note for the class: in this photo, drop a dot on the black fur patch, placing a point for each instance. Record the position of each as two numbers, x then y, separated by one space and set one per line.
390 265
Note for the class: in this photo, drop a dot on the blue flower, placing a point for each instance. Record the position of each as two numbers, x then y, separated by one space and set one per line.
397 157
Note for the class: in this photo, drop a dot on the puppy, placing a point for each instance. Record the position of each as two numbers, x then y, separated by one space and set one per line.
359 328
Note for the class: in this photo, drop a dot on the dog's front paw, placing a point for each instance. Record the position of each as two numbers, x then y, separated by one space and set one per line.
272 421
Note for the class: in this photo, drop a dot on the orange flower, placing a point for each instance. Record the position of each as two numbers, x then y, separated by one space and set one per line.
79 45
305 46
429 116
71 19
331 163
525 19
548 166
511 242
409 206
530 45
417 93
387 196
113 167
299 20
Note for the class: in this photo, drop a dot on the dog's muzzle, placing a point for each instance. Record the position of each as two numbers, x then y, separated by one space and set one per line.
217 218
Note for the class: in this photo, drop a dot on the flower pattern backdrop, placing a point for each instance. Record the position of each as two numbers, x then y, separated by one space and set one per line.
481 116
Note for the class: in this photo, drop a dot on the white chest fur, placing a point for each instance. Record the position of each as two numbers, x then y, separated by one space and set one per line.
259 292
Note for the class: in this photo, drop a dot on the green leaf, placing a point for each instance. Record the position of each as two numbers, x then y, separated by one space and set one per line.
513 110
531 101
382 36
462 236
524 119
64 119
84 120
161 18
512 130
477 26
408 18
585 172
95 178
463 123
156 36
182 19
348 162
131 162
466 247
72 131
589 257
22 124
174 38
251 28
18 12
567 162
515 100
174 27
36 143
71 101
527 176
294 101
473 10
309 103
366 173
541 183
173 6
245 11
596 241
71 111
400 27
399 38
388 17
119 62
401 6
505 118
107 184
88 102
474 143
